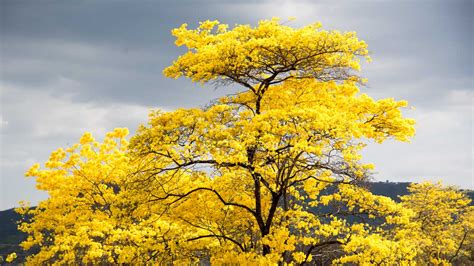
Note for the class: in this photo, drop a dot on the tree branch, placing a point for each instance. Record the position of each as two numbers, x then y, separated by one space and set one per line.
218 236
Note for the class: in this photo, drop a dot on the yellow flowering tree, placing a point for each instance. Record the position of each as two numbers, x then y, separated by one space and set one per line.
266 158
269 175
443 225
93 213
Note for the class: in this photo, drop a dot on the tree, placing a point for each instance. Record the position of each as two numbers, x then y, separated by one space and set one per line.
443 223
269 175
294 126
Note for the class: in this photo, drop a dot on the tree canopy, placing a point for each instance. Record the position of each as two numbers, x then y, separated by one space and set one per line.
269 175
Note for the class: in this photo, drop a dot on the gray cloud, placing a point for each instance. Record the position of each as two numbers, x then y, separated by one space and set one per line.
74 66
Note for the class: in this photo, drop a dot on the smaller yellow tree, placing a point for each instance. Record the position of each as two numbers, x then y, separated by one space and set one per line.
443 225
93 213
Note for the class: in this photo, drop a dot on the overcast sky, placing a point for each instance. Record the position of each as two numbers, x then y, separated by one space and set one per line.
73 66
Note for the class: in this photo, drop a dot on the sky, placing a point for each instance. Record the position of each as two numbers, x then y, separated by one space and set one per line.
68 67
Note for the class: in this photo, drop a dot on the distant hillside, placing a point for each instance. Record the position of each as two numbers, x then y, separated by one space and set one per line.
395 189
389 189
10 237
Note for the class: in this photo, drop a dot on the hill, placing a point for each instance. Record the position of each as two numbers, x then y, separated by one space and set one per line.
10 237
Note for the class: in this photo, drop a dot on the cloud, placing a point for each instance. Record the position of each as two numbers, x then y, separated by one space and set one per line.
3 122
107 73
440 150
39 122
